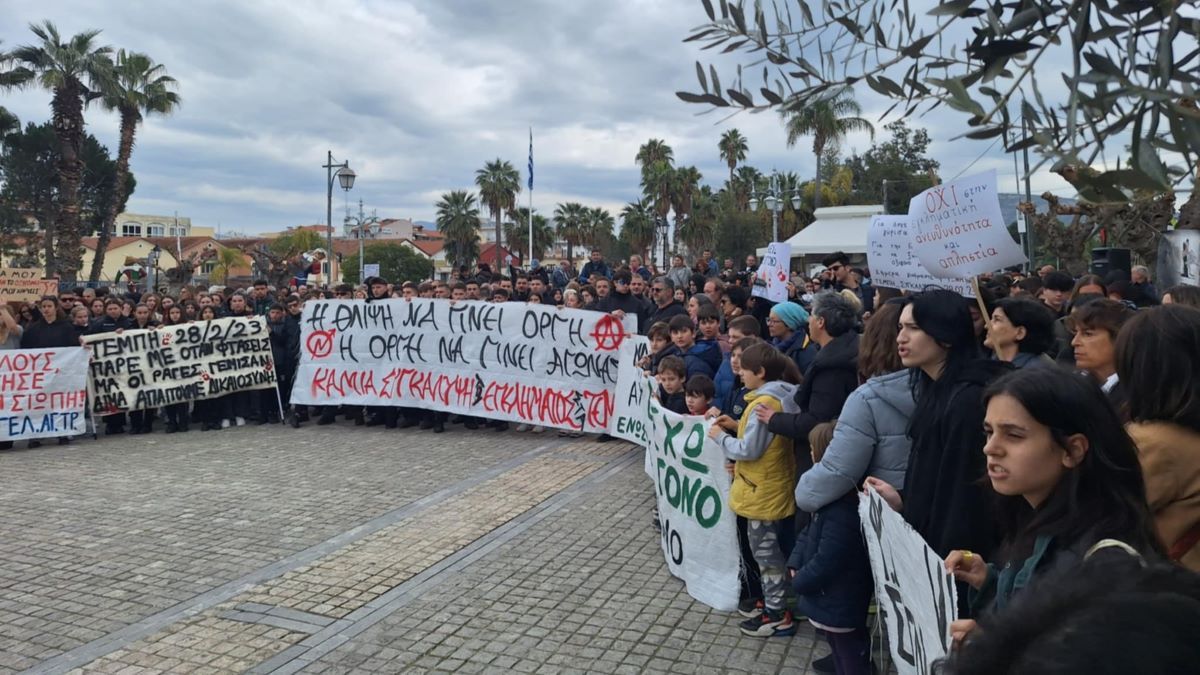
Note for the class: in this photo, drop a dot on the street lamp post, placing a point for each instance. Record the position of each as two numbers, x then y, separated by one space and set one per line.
660 227
362 228
773 198
345 176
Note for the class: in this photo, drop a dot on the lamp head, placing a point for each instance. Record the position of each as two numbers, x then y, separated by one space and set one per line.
345 176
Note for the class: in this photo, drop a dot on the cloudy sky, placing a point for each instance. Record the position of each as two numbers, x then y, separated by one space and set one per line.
417 95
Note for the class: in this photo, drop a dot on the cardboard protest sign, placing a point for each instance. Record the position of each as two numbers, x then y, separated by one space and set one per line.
893 261
699 531
140 369
770 281
917 597
959 231
536 364
42 392
21 285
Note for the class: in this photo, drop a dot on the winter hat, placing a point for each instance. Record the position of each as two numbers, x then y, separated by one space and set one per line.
792 315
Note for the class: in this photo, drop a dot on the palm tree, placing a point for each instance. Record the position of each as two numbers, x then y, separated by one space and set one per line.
9 124
498 184
570 221
733 149
745 182
458 221
71 70
828 119
599 226
227 259
654 150
637 226
698 230
516 232
138 85
686 184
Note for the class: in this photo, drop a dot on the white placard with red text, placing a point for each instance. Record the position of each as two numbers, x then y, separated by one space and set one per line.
43 392
537 364
771 278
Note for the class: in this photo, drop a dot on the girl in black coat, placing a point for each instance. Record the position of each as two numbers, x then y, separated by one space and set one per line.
943 498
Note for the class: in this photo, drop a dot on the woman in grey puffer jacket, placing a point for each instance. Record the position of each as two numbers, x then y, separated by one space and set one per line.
871 437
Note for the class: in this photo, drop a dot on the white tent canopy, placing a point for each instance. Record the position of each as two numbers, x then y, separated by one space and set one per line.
837 228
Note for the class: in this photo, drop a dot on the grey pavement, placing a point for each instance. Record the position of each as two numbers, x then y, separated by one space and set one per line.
349 549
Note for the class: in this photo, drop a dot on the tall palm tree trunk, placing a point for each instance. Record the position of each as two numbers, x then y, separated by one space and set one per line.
819 148
497 255
68 127
120 192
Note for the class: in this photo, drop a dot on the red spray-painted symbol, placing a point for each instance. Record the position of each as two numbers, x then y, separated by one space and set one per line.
320 343
608 334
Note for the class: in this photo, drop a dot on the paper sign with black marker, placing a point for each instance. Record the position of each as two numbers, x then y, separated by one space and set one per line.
917 597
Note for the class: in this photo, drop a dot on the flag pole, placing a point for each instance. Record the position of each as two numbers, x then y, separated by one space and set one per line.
529 263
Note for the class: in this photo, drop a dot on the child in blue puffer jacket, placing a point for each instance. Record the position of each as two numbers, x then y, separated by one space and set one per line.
831 573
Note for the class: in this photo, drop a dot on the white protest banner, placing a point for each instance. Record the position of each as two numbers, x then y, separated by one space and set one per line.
536 364
959 231
894 263
699 531
22 285
42 392
140 369
917 598
770 281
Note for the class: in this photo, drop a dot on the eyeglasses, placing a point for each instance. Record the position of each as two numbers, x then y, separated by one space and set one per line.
658 289
773 320
834 268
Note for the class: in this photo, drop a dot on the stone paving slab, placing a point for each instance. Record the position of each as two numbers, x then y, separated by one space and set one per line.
343 549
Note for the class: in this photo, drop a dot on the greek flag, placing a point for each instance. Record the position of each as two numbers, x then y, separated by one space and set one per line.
530 158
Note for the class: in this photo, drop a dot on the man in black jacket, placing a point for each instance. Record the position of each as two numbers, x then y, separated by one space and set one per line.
111 321
666 307
620 302
285 345
830 378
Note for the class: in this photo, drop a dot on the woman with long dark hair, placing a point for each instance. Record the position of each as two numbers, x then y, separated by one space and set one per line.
178 417
1067 484
50 330
942 498
1158 362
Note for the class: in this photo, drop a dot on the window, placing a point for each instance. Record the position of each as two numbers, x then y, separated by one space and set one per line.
131 230
208 266
155 230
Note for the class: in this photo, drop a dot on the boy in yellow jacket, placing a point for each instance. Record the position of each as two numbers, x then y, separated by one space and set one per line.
763 478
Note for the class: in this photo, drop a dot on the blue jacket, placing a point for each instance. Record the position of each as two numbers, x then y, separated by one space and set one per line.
590 268
798 348
871 439
833 573
704 358
723 380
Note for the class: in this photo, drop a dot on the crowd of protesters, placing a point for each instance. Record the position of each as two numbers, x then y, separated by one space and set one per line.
1050 426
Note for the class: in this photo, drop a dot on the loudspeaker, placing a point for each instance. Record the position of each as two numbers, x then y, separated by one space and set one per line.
1107 260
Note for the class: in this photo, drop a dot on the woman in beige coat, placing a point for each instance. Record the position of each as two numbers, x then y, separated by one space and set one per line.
1158 362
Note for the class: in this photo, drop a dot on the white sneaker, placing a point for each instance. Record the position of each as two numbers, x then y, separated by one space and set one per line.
538 430
241 421
522 427
224 424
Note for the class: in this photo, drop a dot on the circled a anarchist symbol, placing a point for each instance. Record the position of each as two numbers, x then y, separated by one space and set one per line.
608 334
320 343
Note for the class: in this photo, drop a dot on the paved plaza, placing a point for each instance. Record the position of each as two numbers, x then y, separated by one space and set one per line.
346 549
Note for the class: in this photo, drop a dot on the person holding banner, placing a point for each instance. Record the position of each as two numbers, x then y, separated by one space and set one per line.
1068 482
942 498
10 330
50 330
763 476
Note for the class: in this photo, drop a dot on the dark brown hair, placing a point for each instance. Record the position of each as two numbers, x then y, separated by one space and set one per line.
1103 314
673 364
774 364
877 352
1184 295
1158 363
746 324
